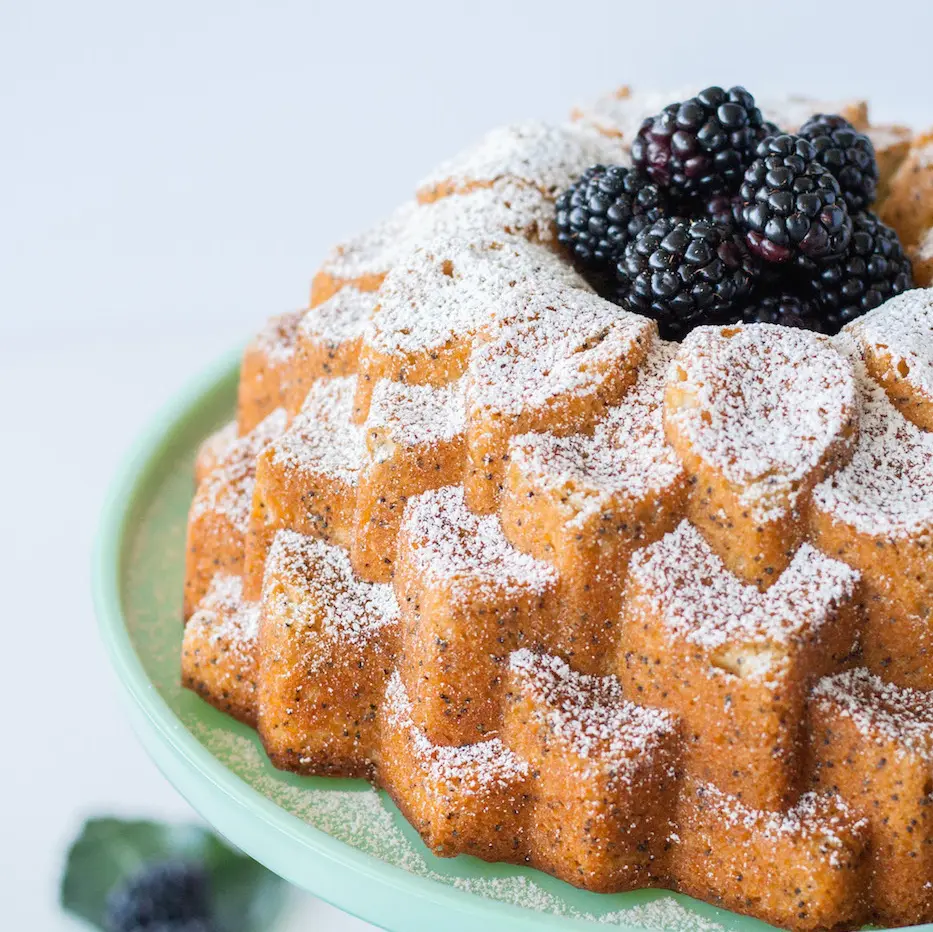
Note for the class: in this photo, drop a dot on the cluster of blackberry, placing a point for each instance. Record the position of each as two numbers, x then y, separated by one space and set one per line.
723 217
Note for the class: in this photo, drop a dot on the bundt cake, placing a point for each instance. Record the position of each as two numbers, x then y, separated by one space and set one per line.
596 524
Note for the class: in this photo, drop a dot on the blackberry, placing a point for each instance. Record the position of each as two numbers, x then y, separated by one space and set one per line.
724 209
848 154
164 892
794 208
684 273
600 213
873 269
702 145
789 310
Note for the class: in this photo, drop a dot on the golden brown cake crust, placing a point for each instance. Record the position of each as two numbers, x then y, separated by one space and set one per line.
637 614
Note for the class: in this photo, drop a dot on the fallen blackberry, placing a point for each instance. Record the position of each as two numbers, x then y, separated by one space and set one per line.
789 310
164 892
185 925
597 216
847 153
702 145
873 269
684 273
793 206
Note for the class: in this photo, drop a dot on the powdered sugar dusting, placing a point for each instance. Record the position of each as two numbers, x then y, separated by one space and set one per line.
226 617
322 439
589 715
683 580
361 819
763 405
626 457
545 155
276 341
563 343
886 136
622 112
447 288
887 487
371 252
228 490
416 415
504 207
307 576
882 712
340 319
215 448
921 152
471 768
792 111
903 328
826 818
507 206
451 545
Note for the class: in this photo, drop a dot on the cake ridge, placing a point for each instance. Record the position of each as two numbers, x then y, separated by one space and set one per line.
626 454
902 714
711 607
472 766
590 713
887 486
359 610
478 548
322 436
769 400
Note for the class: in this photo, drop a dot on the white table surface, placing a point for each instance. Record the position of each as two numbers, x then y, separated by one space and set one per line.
170 174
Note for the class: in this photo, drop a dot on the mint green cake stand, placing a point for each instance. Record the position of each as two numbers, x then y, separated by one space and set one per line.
338 839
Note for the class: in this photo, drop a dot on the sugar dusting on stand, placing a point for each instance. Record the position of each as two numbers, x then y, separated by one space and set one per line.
362 820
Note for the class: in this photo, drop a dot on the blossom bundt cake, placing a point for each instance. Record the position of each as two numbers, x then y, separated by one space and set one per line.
588 510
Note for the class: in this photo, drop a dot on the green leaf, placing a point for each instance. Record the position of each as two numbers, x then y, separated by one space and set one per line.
247 897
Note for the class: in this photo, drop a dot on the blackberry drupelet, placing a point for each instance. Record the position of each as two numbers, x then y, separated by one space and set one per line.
794 209
599 214
724 209
873 269
684 273
848 154
789 310
703 145
164 892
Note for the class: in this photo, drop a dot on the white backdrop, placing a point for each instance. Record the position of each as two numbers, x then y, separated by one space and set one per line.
170 175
